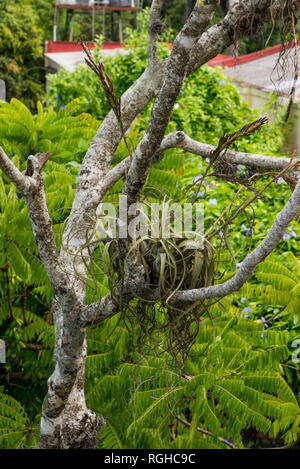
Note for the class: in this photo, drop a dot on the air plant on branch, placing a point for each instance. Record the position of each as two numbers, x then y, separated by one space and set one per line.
108 88
227 140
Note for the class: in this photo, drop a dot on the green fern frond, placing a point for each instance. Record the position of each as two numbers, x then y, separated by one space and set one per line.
16 430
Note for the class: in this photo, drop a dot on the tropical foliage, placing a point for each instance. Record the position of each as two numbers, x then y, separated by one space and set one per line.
239 387
232 382
21 51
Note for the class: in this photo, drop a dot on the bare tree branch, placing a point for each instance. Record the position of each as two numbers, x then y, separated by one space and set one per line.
100 310
206 432
22 183
178 139
257 161
66 421
155 28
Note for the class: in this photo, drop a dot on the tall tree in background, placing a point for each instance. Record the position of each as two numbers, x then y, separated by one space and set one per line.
23 28
66 421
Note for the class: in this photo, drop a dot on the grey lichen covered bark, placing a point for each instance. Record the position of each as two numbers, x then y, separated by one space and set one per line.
66 421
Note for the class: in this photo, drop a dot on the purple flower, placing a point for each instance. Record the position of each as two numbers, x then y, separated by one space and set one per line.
229 440
57 98
264 322
243 299
207 160
222 83
62 106
239 167
247 315
292 232
212 202
246 229
286 236
280 180
197 180
247 309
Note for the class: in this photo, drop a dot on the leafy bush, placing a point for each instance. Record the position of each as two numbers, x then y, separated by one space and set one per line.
273 296
66 134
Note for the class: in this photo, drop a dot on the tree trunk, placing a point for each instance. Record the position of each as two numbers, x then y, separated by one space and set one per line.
66 421
188 9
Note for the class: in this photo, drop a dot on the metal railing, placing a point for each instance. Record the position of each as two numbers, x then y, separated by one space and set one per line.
107 3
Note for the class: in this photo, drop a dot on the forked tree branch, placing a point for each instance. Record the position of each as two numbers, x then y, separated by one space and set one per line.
91 186
22 183
30 184
223 34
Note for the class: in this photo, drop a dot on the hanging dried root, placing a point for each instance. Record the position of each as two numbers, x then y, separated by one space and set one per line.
108 87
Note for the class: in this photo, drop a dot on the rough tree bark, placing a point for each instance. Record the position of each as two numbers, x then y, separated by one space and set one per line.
66 421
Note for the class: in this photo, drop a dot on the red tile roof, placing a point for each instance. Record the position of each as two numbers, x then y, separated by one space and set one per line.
61 46
220 60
